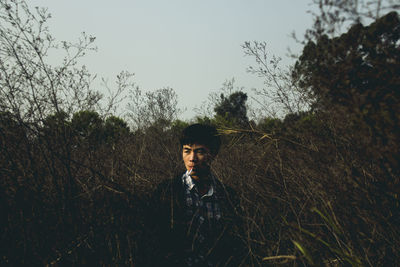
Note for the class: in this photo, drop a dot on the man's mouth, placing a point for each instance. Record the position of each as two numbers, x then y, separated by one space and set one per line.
193 169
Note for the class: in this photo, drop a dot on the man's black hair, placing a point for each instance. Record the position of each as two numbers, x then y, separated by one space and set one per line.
201 134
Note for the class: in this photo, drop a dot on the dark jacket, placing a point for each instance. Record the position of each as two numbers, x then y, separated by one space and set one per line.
167 226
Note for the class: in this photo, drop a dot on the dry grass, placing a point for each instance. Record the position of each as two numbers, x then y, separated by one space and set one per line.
310 194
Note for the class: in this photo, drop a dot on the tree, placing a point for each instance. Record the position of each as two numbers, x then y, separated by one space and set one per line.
88 127
30 87
280 95
332 17
158 108
358 71
349 68
115 128
233 108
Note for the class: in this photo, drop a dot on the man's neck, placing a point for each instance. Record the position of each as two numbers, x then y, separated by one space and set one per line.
203 188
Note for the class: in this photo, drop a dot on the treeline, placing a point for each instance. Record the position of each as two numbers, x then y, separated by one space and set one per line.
319 186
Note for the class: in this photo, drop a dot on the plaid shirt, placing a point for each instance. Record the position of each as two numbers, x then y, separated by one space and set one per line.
202 217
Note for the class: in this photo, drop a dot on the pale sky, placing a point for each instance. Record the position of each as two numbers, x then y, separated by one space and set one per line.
190 46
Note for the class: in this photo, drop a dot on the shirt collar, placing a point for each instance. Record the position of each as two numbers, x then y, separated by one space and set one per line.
188 181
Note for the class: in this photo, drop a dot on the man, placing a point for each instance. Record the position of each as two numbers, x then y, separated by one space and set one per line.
194 217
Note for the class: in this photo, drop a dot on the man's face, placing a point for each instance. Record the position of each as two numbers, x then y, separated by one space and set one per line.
198 158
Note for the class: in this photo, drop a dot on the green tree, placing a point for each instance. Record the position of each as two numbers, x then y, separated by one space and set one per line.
331 17
233 108
354 69
115 128
358 71
56 123
88 126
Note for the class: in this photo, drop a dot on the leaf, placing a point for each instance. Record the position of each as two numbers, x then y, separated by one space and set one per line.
304 251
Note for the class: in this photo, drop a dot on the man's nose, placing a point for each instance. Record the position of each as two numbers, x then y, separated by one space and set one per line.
193 156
